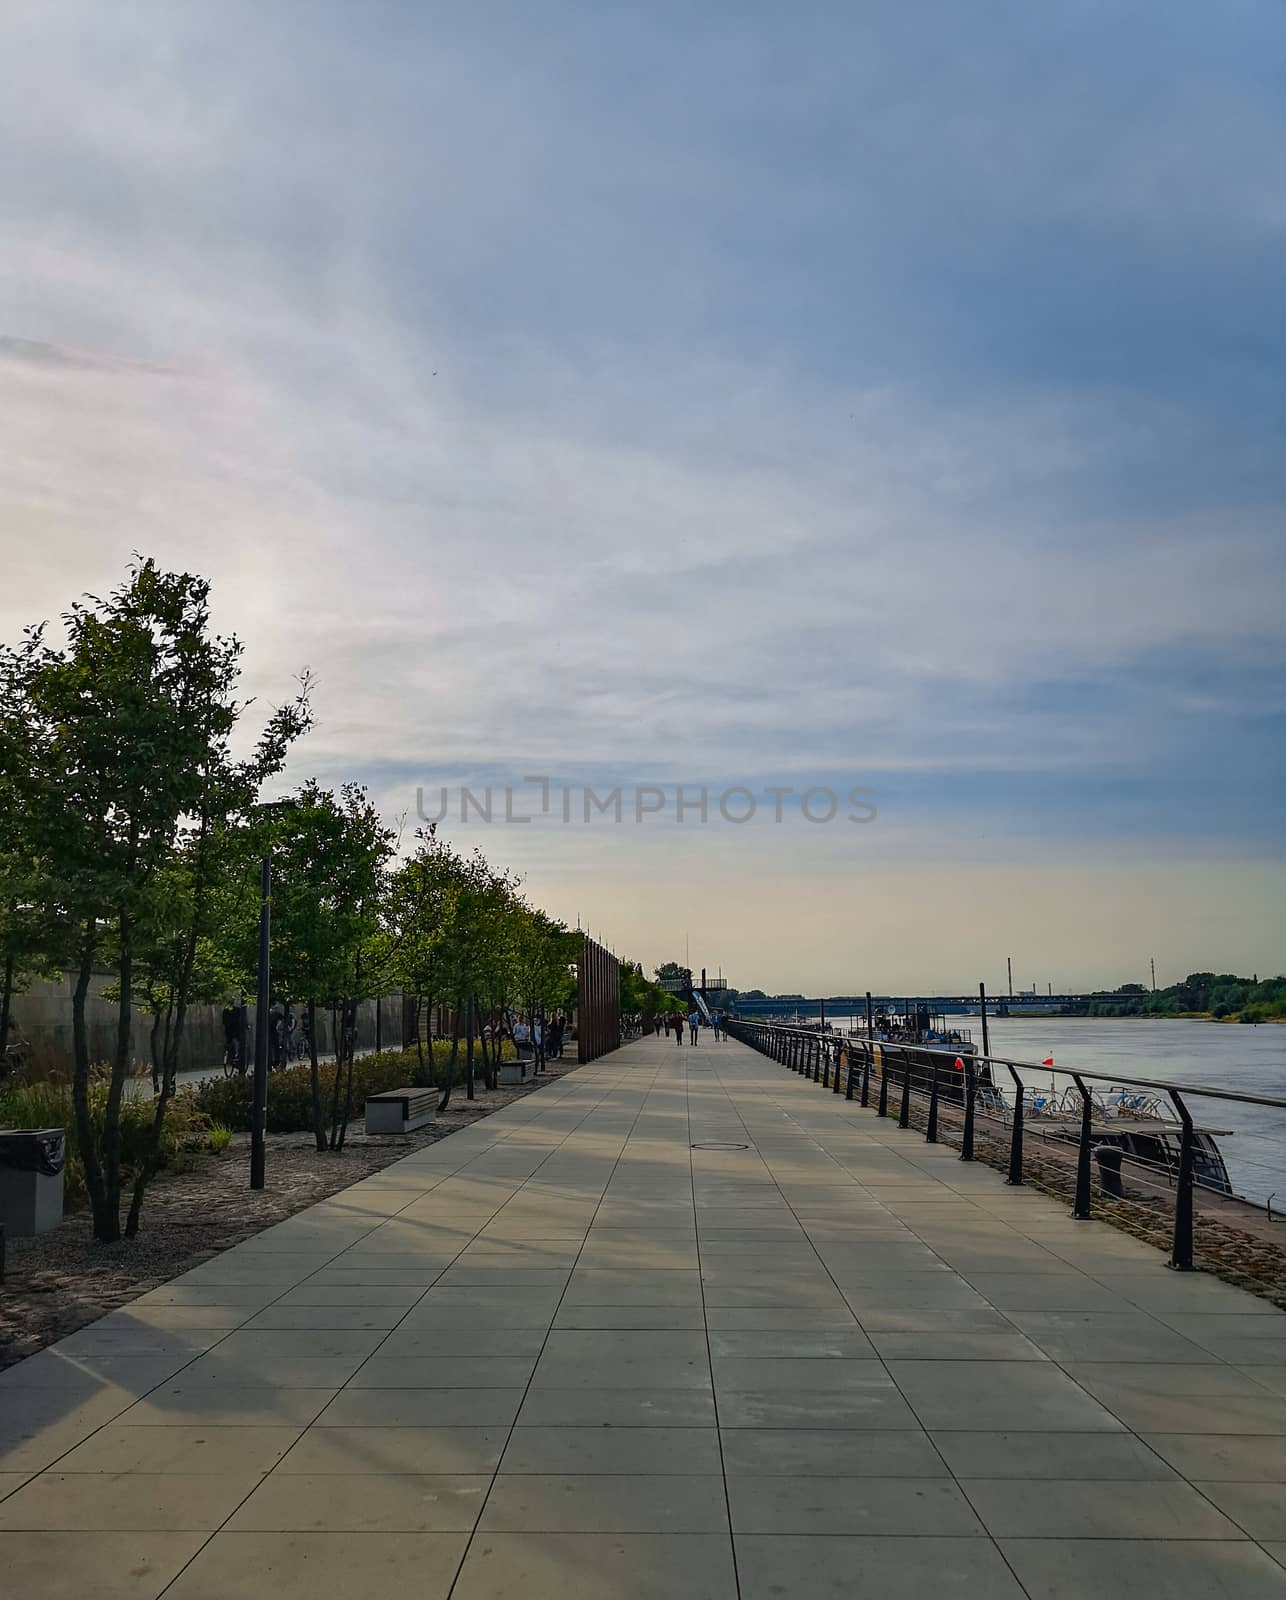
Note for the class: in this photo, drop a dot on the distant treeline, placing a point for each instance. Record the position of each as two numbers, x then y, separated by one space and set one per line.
1212 994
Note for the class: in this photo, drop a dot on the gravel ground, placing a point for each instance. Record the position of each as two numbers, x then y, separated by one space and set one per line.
60 1280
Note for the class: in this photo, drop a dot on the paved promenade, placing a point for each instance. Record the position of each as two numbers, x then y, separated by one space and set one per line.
679 1325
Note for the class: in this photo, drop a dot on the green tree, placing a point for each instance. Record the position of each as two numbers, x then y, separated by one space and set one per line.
122 765
329 854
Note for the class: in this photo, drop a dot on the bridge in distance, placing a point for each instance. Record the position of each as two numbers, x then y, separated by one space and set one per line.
854 1005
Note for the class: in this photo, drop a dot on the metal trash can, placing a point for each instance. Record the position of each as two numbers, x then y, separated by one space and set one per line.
1108 1157
31 1179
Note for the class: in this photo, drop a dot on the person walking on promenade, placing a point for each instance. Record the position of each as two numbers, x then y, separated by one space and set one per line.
677 1020
694 1023
658 1023
716 1018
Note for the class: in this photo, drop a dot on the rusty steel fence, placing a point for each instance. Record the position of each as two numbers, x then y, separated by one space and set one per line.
598 1001
1100 1141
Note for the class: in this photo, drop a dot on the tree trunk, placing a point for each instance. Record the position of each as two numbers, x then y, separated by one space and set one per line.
151 1162
107 1217
445 1097
314 1078
86 1134
154 1043
175 1019
416 1009
6 1000
337 1041
468 1050
350 1051
484 1051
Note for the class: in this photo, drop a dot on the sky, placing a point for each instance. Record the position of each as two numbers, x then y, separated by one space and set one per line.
726 396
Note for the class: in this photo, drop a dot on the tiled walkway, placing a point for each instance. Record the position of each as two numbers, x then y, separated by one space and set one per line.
680 1325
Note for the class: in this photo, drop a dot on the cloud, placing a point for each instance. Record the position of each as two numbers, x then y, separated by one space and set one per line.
729 399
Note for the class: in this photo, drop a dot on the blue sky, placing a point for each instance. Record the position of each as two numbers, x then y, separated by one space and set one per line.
847 392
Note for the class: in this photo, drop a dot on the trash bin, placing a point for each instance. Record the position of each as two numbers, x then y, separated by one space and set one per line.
31 1179
1108 1157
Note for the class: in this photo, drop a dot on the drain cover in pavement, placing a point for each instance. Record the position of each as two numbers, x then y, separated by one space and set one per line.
718 1144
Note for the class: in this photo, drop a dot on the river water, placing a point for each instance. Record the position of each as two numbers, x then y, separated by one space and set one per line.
1251 1060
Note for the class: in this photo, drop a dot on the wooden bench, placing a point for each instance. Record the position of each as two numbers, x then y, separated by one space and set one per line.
400 1110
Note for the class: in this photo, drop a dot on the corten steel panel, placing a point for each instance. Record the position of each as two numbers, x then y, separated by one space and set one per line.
598 988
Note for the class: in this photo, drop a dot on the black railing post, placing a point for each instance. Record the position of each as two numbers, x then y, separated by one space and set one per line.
904 1111
884 1083
814 1060
1081 1206
848 1080
971 1096
1181 1253
931 1127
1016 1134
839 1051
866 1074
823 1050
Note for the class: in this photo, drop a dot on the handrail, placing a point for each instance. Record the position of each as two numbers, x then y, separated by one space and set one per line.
1029 1066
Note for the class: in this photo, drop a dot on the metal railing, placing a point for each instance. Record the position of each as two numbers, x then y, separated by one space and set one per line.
942 1084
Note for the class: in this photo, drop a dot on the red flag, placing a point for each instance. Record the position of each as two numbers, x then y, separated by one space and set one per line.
959 1064
1048 1061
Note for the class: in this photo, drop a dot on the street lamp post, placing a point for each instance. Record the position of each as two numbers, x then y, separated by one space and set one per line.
259 1116
263 1000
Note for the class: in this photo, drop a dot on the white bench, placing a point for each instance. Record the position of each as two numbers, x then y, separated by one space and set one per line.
400 1110
512 1072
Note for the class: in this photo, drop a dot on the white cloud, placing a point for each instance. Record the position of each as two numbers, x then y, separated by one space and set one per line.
485 394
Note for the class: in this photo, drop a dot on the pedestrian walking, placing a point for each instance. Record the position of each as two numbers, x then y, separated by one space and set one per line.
677 1020
694 1022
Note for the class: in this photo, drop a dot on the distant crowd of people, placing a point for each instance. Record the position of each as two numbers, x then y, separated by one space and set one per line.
673 1021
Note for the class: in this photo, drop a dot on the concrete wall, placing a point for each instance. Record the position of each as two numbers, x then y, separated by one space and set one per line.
43 1017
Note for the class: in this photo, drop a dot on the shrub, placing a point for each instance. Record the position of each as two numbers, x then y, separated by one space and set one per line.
49 1105
229 1101
219 1138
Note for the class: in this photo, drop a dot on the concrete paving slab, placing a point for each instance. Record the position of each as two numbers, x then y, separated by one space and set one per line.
421 1407
609 1503
997 1395
101 1502
404 1449
1143 1569
1223 1458
108 1566
1024 1456
611 1451
822 1452
368 1502
839 1568
517 1566
836 1505
322 1566
202 1449
1050 1508
1258 1509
